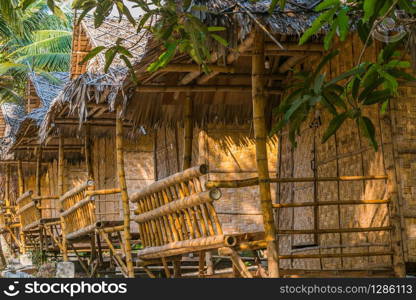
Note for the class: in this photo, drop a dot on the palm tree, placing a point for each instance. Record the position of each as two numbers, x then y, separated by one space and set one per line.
32 39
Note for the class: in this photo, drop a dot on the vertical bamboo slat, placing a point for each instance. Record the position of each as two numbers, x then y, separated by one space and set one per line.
61 172
260 133
188 132
124 194
88 156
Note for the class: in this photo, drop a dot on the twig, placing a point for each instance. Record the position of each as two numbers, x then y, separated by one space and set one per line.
262 27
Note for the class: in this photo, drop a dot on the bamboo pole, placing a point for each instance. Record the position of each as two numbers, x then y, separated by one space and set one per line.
61 174
88 156
260 133
201 89
20 179
255 180
124 194
7 189
188 132
38 172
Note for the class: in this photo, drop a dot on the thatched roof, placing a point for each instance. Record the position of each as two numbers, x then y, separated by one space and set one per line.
95 85
112 30
13 114
47 88
157 110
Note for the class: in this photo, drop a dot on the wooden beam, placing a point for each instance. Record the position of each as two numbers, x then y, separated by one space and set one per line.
285 53
294 47
201 88
260 134
124 194
196 68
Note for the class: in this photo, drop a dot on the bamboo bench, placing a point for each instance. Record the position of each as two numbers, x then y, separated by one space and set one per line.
78 210
33 212
176 215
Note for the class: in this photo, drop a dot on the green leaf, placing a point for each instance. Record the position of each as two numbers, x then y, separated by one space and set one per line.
334 125
219 39
94 52
343 24
369 9
377 97
216 28
368 130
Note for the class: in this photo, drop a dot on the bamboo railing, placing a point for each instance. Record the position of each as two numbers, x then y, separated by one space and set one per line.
34 211
176 215
261 243
78 209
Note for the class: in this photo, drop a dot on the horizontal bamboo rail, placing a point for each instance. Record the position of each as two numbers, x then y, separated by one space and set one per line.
339 230
25 208
255 181
81 232
77 206
335 255
102 192
24 196
329 203
76 190
181 247
178 205
177 178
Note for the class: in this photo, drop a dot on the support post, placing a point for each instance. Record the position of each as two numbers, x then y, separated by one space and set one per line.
88 156
20 179
21 187
124 195
7 189
61 191
38 172
260 133
188 132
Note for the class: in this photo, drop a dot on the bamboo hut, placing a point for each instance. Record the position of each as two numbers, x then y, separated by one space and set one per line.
93 210
36 201
333 209
10 116
182 163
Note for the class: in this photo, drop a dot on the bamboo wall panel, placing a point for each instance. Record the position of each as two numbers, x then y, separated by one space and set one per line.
345 154
139 170
2 124
229 153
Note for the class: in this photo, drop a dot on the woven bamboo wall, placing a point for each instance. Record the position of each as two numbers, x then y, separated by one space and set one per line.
347 153
139 173
33 101
80 48
404 130
229 153
2 124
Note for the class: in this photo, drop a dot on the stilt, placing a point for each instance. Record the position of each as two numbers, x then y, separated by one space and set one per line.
124 195
2 257
260 133
61 191
201 266
21 187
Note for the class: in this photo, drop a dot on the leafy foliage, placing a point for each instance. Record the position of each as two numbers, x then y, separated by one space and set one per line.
32 40
176 26
344 96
